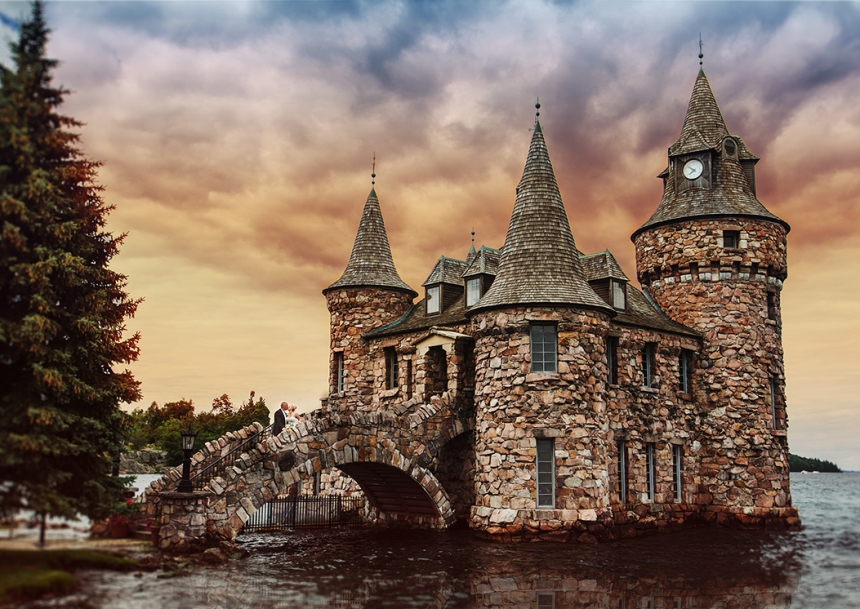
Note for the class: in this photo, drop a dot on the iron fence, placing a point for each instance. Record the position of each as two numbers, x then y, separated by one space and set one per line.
217 468
308 512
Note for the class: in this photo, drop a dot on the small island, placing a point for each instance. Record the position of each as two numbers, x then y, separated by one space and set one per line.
803 464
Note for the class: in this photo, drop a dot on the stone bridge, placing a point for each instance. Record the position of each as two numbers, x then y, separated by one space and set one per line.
394 456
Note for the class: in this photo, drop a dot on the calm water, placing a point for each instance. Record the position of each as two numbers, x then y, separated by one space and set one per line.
816 567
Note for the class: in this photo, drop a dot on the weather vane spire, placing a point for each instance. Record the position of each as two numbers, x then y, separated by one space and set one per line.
701 52
373 171
537 109
473 236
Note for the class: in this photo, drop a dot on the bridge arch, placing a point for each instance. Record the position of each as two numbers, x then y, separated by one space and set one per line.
390 455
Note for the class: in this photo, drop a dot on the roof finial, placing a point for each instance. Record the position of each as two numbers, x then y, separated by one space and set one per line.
537 109
473 236
701 53
373 174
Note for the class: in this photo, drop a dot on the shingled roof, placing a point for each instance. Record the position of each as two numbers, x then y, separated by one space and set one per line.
602 265
539 263
447 270
371 264
485 261
731 194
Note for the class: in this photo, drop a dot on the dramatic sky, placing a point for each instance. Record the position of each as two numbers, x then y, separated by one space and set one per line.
237 139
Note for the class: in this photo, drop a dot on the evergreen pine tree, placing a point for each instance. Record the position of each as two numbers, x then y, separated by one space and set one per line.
62 310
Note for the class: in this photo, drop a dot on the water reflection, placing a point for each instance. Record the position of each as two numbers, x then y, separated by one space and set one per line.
414 569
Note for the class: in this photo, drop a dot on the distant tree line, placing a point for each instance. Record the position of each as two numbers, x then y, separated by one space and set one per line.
160 426
799 464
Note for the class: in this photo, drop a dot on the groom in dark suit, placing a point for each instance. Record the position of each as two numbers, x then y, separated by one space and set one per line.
280 419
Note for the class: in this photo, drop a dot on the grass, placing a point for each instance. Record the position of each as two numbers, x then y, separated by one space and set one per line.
28 574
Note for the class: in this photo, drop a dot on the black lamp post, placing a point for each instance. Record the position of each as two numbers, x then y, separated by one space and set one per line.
188 437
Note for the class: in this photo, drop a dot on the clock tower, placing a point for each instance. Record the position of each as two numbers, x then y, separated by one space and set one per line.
714 259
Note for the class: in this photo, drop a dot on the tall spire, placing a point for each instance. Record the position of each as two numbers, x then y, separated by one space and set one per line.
704 127
729 190
539 263
371 263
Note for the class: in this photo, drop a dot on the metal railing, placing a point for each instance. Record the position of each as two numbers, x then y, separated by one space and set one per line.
218 467
307 512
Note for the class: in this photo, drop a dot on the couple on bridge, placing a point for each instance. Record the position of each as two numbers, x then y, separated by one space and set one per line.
285 416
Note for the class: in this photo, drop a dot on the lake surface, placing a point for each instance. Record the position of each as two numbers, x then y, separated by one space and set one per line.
817 567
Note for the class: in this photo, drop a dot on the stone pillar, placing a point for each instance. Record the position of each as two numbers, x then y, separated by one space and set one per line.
183 520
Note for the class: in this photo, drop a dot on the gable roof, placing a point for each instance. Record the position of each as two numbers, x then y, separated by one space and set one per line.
602 265
370 263
447 270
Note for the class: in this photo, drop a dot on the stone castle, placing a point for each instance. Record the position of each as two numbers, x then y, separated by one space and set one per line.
592 408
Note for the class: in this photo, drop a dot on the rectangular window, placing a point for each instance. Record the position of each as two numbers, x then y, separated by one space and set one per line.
773 419
622 471
677 466
619 295
317 482
649 474
685 371
545 600
731 239
544 347
648 365
612 359
771 304
391 369
545 473
409 378
338 372
473 291
434 300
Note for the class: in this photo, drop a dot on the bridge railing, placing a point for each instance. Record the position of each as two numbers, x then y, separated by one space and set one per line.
219 466
306 512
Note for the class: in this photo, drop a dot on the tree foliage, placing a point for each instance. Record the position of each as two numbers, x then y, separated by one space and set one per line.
62 310
799 464
161 426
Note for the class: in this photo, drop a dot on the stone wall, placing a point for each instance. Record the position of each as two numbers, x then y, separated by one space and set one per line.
723 293
355 311
515 407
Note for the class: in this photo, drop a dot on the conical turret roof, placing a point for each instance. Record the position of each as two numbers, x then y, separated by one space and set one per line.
730 193
540 262
371 264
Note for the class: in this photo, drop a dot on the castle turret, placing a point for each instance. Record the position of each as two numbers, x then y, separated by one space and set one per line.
369 294
540 412
714 259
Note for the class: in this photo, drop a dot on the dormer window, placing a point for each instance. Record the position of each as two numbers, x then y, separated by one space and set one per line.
473 291
618 294
434 300
730 148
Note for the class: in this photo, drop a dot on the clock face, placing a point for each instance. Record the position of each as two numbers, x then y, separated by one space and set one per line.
693 169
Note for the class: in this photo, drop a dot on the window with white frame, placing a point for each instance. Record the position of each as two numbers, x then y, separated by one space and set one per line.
544 347
622 471
618 290
545 472
649 470
473 291
434 300
338 372
648 364
677 468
